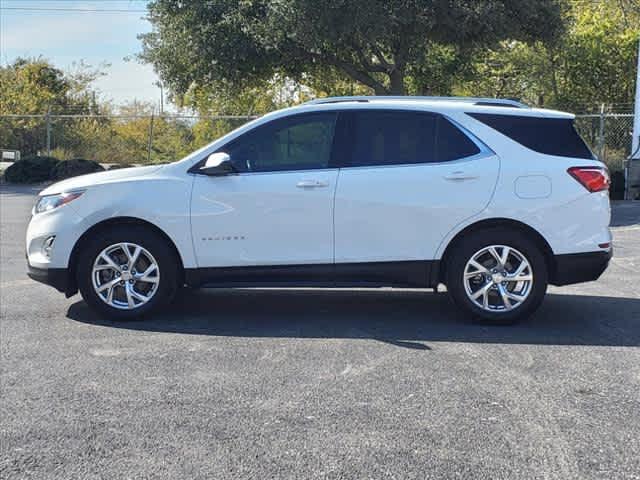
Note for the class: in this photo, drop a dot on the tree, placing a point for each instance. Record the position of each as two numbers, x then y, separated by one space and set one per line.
592 63
35 86
596 61
385 45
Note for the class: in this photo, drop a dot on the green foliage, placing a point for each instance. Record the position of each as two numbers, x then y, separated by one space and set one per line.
440 68
596 62
31 86
593 63
31 170
125 139
34 86
377 43
75 167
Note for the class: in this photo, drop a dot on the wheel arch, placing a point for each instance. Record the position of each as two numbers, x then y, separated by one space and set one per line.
486 224
110 223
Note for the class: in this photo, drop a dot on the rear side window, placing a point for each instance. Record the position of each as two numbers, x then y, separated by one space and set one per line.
551 136
383 137
392 138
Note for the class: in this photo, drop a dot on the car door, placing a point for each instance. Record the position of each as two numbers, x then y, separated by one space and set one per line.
277 208
409 179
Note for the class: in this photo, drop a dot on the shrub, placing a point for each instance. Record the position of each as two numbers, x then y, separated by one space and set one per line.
62 153
75 167
31 170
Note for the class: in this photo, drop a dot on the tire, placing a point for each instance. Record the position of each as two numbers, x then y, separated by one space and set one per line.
491 281
159 285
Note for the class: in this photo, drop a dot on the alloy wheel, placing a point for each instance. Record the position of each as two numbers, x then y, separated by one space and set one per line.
125 276
498 278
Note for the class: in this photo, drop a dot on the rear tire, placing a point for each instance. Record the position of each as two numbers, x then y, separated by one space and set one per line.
127 272
498 275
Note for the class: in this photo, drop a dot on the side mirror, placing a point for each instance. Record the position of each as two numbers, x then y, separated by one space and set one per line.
217 165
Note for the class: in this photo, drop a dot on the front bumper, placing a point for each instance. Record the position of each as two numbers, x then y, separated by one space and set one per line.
57 278
580 267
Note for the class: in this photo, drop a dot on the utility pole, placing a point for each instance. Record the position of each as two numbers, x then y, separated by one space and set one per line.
632 173
601 142
636 118
48 122
150 139
161 87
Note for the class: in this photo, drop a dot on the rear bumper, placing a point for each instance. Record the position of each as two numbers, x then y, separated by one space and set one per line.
580 267
57 278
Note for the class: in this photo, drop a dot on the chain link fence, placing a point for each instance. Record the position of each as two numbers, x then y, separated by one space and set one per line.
140 139
609 136
113 139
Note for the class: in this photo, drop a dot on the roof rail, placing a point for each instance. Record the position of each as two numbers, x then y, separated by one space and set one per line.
496 102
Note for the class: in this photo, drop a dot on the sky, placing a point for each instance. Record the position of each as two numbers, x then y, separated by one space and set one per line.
65 37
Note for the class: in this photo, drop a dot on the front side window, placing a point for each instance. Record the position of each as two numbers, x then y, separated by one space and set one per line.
301 142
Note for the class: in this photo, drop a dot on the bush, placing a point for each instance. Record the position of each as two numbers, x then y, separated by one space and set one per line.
75 167
62 153
31 170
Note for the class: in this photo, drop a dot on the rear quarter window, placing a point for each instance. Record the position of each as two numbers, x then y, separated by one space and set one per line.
451 143
551 136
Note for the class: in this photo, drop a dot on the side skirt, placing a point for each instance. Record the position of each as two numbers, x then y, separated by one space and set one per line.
411 274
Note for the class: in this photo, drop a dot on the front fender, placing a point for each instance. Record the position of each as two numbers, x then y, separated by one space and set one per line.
162 202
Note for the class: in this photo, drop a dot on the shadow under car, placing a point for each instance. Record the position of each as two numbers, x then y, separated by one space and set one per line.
403 318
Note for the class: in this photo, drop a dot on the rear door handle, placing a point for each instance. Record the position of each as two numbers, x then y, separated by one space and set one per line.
312 184
460 176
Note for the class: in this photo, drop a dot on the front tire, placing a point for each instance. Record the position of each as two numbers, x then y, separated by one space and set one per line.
127 272
497 275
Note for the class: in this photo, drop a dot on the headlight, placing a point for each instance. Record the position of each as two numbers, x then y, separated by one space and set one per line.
49 202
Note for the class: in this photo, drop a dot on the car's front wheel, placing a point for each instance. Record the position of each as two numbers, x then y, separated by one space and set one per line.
498 275
127 272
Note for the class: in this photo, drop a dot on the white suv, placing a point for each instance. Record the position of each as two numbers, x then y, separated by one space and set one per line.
489 197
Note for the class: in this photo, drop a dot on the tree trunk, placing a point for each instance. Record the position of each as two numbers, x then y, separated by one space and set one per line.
396 77
380 91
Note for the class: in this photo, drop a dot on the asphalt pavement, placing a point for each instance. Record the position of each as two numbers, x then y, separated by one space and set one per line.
297 384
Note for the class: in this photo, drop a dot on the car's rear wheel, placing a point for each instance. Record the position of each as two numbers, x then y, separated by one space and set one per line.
127 272
497 275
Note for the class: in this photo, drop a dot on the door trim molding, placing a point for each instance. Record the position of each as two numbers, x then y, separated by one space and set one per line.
407 274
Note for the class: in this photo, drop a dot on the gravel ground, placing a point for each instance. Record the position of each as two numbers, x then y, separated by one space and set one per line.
319 384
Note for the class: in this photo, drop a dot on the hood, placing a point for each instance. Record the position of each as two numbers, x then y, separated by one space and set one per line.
84 181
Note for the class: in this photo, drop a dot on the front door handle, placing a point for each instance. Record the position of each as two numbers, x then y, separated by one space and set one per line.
460 176
312 184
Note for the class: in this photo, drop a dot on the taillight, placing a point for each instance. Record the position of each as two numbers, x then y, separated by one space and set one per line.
594 179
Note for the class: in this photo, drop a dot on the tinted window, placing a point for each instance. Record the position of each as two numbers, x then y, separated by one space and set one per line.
392 138
296 143
551 136
452 143
400 138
